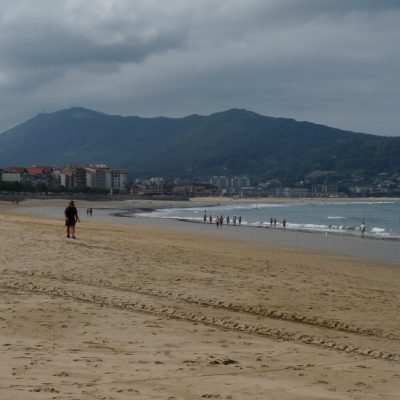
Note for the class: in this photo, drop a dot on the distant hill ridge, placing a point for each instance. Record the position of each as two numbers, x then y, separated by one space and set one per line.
225 143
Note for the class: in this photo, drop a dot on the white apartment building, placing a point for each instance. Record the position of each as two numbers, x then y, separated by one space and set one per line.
239 182
233 184
11 177
221 182
100 176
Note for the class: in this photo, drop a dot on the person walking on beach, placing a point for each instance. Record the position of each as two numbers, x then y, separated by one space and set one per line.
217 221
71 218
221 221
240 220
362 229
210 219
271 221
205 218
274 222
284 224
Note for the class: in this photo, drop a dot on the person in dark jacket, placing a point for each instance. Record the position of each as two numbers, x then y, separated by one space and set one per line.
71 218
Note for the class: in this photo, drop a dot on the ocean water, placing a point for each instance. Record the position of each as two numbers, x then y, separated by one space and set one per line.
382 218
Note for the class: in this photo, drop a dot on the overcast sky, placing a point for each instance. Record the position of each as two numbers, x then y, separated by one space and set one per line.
335 62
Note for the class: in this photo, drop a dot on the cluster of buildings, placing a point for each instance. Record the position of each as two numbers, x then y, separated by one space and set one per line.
94 176
382 185
100 177
158 186
289 192
241 186
216 185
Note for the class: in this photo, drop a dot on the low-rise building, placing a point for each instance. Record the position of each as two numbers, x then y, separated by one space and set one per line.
152 186
290 192
13 174
324 190
191 189
40 176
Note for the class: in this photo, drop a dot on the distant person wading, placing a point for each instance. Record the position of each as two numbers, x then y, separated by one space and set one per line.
362 229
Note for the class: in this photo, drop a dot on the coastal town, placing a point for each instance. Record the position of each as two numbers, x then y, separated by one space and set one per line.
104 179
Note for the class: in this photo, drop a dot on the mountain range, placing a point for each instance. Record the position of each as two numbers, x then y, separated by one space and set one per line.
233 142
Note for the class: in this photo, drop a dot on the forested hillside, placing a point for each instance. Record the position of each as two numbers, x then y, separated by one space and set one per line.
225 143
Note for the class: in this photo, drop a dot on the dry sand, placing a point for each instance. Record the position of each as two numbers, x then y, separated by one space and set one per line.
142 312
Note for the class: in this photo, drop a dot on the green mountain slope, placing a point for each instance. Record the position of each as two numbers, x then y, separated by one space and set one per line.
228 143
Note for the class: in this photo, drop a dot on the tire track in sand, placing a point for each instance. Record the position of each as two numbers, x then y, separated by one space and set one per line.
257 310
224 318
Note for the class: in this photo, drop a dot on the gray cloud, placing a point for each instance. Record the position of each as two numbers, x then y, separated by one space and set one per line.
328 61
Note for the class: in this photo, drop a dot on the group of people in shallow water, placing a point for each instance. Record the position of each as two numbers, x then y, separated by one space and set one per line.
272 223
220 220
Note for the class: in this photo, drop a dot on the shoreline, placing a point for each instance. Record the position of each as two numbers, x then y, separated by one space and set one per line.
289 229
368 249
133 213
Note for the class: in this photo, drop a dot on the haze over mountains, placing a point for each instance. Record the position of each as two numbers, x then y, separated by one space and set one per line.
233 142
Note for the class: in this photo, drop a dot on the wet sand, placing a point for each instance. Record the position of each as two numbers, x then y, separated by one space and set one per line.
369 249
145 311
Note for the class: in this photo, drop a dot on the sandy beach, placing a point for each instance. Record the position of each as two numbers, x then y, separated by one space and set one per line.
149 310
